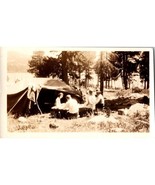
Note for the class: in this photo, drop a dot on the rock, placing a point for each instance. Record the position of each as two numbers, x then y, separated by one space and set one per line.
53 126
22 119
138 108
122 111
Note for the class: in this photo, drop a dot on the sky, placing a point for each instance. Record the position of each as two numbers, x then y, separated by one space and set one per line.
29 50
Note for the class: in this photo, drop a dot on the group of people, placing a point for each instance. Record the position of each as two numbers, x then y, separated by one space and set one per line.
95 101
92 100
71 106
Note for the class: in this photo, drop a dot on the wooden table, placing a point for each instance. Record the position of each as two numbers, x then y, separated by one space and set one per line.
62 113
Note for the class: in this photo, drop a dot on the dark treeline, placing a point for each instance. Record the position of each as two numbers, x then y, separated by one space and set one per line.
76 67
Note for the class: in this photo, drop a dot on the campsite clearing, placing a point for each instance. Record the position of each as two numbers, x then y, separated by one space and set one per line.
131 120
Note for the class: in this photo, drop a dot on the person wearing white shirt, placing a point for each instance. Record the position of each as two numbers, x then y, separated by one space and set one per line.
91 101
55 110
58 101
72 107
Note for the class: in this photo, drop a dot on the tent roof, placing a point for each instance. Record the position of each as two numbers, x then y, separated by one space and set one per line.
47 83
57 84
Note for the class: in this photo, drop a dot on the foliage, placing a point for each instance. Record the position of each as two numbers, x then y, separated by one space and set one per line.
133 61
35 63
68 65
76 67
106 68
144 68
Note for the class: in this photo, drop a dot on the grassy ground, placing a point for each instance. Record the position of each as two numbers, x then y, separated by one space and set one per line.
100 123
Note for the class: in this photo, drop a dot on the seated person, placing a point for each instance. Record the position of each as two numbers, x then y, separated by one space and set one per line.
72 107
99 101
91 101
55 112
58 104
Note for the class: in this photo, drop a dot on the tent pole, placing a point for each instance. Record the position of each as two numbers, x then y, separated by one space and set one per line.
37 95
38 106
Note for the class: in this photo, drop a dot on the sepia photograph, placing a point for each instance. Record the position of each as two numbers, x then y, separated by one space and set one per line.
101 90
77 92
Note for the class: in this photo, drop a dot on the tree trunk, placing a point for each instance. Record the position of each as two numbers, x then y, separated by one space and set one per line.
98 80
101 75
109 84
101 81
125 76
144 84
101 85
79 78
64 67
86 79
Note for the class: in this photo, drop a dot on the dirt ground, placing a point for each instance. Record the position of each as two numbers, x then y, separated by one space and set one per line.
132 121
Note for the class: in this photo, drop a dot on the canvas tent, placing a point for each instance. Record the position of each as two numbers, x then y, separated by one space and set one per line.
39 96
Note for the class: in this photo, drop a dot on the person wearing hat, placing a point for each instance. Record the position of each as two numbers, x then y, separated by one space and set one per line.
72 107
